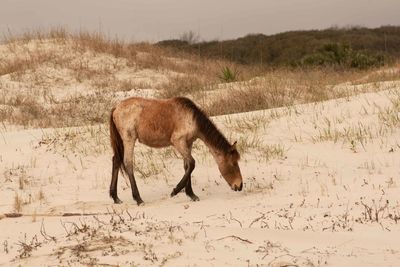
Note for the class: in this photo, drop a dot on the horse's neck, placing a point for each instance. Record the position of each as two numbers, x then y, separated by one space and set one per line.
215 151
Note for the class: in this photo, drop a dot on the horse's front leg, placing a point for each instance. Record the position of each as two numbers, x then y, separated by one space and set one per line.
188 188
183 182
189 164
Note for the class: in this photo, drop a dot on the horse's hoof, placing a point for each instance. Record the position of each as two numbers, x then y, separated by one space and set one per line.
195 198
117 201
173 193
140 203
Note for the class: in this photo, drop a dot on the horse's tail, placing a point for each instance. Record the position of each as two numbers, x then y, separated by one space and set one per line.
116 144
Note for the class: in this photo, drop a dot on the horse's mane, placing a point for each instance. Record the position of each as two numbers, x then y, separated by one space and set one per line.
207 128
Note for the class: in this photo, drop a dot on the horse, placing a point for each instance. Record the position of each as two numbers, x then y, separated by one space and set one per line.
157 123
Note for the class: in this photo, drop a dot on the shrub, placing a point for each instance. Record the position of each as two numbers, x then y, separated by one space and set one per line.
363 61
227 75
343 56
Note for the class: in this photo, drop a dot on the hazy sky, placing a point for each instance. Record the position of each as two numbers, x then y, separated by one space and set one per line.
154 20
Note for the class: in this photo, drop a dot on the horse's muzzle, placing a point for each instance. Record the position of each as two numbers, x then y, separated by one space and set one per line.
238 188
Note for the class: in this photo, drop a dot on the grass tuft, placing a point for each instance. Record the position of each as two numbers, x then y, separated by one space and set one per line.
228 75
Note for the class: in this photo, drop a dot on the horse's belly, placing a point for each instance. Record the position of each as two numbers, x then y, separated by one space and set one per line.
155 128
154 143
155 139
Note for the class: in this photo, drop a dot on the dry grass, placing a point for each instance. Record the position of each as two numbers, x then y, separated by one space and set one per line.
36 62
18 203
181 86
284 88
390 117
90 140
79 110
41 196
358 135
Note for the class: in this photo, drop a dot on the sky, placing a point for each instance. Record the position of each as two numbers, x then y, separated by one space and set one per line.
154 20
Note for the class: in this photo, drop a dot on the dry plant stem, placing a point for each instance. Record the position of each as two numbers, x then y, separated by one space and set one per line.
45 235
68 214
257 219
235 237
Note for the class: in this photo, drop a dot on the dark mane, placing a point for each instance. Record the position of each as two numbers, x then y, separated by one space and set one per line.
213 136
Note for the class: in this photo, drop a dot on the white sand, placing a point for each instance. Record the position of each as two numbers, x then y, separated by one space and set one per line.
305 209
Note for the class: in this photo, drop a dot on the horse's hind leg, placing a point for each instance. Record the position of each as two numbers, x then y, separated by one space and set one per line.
114 180
128 161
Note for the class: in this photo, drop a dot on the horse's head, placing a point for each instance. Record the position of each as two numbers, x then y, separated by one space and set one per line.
229 168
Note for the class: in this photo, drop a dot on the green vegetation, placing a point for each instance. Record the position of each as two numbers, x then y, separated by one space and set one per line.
227 75
343 56
354 47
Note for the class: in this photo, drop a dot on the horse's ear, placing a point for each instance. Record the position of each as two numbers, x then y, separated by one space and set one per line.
234 152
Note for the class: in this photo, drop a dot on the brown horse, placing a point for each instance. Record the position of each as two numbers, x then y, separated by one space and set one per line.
160 123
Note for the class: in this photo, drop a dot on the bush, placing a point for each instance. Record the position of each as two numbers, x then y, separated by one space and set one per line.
333 46
227 75
343 56
363 61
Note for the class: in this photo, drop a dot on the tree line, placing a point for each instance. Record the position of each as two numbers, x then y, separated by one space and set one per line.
351 47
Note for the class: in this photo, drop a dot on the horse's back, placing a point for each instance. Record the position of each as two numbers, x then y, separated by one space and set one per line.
153 121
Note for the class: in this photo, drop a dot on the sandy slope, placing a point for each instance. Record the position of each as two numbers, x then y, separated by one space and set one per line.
327 196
